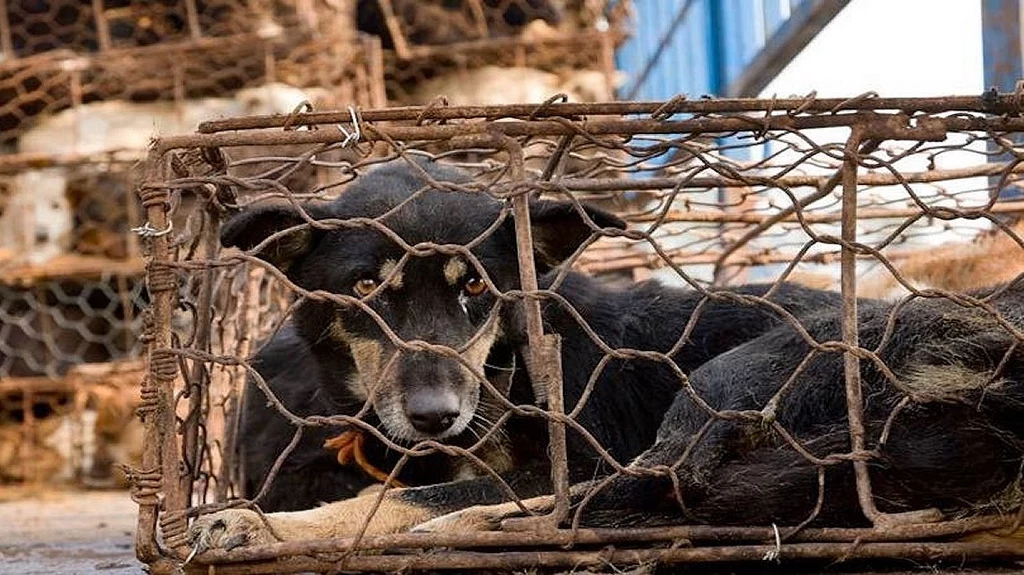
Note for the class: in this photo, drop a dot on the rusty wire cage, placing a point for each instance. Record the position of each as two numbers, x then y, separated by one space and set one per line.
32 28
844 193
67 55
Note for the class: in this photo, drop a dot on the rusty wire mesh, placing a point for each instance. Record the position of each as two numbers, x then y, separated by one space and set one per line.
716 193
230 46
33 28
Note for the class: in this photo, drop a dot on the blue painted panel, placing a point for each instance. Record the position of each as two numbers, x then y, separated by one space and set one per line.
775 12
668 52
742 33
698 47
1001 47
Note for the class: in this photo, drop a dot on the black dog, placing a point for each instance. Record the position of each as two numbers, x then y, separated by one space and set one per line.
334 357
946 437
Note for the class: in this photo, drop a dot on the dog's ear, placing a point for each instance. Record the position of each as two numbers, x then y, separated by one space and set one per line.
250 227
559 229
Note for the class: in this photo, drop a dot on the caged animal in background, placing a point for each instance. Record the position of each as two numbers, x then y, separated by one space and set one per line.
84 434
331 359
37 220
114 125
497 85
430 22
114 431
102 127
39 452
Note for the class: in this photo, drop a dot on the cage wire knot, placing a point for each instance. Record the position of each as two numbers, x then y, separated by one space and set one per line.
355 135
200 545
147 230
774 554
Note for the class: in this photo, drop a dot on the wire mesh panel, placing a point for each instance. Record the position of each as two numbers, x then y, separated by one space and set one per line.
33 28
49 328
52 325
446 336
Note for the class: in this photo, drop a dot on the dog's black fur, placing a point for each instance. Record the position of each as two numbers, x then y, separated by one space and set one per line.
309 365
956 447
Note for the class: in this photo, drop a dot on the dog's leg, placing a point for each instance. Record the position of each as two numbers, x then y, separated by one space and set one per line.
490 517
231 528
485 517
398 510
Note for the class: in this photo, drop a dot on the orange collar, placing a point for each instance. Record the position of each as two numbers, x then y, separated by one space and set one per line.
350 451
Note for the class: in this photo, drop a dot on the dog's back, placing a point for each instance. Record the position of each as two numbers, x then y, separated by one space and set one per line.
947 434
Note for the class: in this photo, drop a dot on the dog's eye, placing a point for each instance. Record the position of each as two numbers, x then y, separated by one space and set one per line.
474 286
364 287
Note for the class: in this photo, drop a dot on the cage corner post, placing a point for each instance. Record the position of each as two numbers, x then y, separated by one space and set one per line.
160 471
849 323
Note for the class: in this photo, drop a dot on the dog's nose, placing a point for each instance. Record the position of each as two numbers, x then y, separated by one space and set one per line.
432 411
42 236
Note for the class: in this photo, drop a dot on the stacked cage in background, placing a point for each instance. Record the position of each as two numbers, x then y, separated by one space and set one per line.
498 51
922 194
83 89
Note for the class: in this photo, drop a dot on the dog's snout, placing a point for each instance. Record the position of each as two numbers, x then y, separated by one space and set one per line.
42 236
432 411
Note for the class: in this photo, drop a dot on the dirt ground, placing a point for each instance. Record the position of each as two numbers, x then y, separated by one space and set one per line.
68 531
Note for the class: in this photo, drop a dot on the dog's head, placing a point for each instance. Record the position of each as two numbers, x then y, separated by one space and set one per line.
427 266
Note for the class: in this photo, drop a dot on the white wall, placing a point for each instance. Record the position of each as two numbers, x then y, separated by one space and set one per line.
911 48
893 47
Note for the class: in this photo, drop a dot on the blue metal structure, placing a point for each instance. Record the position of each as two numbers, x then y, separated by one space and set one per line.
716 47
1000 20
1003 56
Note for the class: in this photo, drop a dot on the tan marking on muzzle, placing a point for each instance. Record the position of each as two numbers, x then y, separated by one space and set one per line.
454 270
476 354
388 268
367 355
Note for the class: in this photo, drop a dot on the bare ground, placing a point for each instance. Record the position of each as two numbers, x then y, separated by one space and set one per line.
67 531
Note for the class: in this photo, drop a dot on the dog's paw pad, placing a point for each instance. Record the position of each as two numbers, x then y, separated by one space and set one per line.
469 519
227 530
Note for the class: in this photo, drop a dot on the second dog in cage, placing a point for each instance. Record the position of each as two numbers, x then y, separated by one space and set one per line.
430 333
943 420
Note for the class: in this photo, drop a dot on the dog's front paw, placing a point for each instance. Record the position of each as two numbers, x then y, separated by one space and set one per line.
481 518
229 529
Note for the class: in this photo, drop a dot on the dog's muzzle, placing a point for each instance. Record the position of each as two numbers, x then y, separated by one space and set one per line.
432 411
